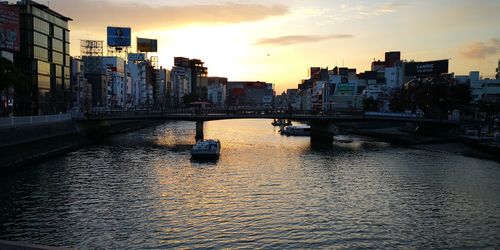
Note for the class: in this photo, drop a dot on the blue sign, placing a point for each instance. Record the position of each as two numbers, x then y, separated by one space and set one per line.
119 37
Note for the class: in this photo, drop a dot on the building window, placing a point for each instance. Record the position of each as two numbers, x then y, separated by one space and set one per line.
57 45
66 48
41 26
58 33
43 68
57 57
40 39
41 53
66 35
43 82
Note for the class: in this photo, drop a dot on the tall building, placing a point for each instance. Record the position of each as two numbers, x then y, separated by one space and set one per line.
81 90
391 58
144 82
44 56
198 80
180 78
117 84
217 91
162 90
98 77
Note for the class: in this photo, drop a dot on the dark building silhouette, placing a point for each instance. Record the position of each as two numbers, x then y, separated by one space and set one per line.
199 73
391 58
44 56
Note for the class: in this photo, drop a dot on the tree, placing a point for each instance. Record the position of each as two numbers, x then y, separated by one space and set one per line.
398 102
460 97
370 104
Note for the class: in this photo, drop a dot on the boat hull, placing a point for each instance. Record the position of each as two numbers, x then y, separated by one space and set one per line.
205 155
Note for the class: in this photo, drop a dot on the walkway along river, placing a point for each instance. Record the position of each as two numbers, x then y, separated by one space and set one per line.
141 190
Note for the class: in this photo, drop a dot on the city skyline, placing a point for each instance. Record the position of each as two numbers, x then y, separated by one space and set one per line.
276 42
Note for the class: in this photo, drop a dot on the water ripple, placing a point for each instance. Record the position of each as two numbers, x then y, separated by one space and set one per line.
141 190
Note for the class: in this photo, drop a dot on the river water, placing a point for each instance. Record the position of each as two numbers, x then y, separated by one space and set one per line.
141 190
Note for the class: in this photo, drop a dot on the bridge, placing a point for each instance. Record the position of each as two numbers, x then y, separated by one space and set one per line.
320 123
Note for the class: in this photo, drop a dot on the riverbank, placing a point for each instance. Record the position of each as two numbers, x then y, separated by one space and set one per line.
23 146
401 135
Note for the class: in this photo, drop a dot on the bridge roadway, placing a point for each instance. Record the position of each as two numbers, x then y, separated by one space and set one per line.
321 129
212 116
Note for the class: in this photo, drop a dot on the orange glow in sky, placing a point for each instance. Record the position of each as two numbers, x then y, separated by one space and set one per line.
276 41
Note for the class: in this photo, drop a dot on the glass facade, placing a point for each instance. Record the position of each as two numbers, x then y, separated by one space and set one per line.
57 57
57 45
58 33
41 26
45 54
44 82
40 53
40 39
43 68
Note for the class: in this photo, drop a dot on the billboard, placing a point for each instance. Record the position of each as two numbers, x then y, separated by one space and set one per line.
147 45
119 37
132 57
426 68
9 28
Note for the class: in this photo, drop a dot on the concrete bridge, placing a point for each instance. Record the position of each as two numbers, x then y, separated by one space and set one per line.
320 123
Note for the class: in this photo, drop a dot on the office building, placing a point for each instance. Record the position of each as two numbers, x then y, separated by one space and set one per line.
45 56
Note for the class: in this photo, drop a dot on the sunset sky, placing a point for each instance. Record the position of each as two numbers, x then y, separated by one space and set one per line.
276 41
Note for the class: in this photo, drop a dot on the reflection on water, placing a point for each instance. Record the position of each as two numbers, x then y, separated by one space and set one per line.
142 190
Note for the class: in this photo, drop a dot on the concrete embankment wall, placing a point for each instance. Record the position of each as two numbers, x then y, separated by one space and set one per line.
23 146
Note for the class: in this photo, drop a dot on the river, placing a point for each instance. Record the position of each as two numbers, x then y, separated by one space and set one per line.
141 190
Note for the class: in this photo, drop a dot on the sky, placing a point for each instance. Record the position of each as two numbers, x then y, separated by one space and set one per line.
277 41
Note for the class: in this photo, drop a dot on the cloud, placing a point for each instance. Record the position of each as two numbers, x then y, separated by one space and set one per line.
389 7
296 39
481 50
92 14
362 11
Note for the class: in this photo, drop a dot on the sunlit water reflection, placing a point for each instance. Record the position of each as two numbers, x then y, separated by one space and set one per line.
142 190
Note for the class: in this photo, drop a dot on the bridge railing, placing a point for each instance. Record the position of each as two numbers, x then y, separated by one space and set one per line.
30 120
222 111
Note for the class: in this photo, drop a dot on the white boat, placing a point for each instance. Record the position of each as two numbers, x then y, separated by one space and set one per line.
206 149
296 131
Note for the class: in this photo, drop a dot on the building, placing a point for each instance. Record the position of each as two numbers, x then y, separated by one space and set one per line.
378 65
7 95
392 58
45 56
98 76
197 79
180 78
81 90
162 88
342 90
293 99
484 89
143 82
217 91
117 82
250 94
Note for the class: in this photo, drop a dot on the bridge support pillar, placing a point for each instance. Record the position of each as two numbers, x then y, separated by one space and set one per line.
322 132
199 130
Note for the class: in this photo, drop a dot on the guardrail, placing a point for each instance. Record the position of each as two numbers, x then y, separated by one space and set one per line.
30 120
